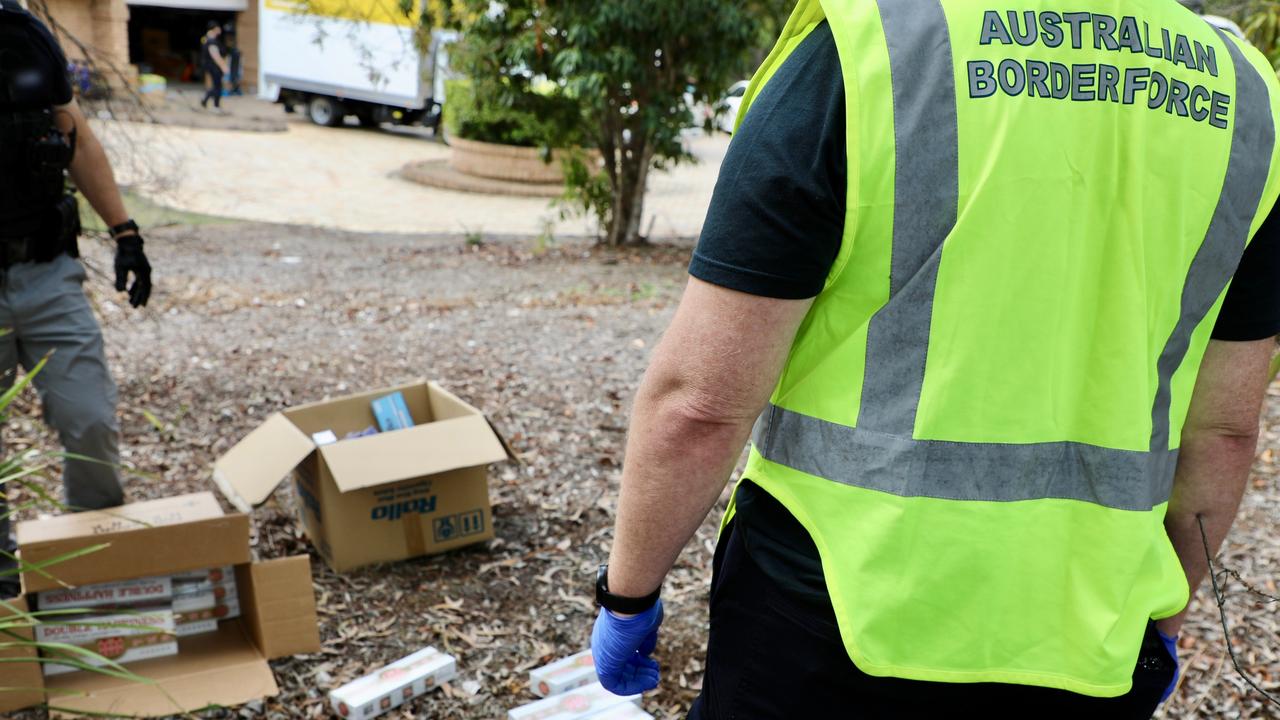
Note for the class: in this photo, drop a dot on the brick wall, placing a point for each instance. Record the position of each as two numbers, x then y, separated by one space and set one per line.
247 37
94 29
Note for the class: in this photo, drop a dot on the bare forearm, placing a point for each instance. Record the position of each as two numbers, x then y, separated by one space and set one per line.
1212 474
709 378
92 174
1217 449
676 467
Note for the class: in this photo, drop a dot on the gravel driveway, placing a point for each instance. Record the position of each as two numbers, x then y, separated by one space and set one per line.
346 179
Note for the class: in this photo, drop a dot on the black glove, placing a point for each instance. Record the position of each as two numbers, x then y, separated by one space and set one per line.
130 258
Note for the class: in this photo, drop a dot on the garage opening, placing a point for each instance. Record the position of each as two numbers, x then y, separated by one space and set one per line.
166 40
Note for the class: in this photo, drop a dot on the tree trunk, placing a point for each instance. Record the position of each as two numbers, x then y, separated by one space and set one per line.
632 161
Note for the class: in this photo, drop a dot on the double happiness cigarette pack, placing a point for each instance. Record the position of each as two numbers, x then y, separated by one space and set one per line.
143 591
563 675
577 704
130 637
200 612
393 685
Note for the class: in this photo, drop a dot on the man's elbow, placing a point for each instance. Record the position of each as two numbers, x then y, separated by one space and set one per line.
1236 440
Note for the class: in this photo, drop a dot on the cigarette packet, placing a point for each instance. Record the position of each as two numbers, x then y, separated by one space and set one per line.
132 637
392 413
201 614
572 705
563 675
393 685
212 576
112 594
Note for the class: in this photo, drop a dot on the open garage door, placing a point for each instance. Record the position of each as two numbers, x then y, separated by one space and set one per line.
164 35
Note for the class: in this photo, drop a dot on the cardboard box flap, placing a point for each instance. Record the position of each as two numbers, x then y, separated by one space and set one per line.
21 684
221 669
143 515
249 472
279 606
428 449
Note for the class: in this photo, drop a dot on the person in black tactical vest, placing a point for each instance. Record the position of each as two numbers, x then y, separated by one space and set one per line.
213 64
44 137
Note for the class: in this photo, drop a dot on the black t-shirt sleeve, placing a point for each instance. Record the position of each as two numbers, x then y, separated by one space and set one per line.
777 215
1251 310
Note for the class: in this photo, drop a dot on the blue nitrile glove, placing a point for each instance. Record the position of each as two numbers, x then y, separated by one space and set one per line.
1170 644
621 648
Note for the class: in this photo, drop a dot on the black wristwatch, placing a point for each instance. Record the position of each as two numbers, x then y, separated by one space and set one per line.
124 227
618 603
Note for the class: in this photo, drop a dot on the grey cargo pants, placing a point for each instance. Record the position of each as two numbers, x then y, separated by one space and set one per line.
43 307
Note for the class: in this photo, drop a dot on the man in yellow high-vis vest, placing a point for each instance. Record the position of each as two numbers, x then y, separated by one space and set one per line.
989 284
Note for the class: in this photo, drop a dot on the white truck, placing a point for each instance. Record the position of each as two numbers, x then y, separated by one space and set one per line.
361 58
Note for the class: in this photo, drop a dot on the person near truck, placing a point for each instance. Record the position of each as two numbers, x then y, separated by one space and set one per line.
214 65
44 313
998 292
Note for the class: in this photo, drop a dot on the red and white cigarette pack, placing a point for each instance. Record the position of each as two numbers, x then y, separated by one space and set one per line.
199 613
563 675
142 591
576 704
393 685
625 711
130 637
211 576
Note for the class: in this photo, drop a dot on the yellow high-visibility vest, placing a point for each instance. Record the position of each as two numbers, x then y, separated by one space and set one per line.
979 420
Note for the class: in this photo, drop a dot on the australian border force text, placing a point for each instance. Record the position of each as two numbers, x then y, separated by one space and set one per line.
1098 82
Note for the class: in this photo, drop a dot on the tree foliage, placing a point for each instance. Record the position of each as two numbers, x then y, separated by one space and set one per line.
1260 20
618 76
637 65
514 94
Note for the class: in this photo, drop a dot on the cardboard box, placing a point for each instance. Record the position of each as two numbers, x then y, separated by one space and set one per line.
390 496
563 675
576 704
161 538
120 637
394 685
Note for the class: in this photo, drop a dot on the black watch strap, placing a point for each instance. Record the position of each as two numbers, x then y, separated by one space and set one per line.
124 227
618 603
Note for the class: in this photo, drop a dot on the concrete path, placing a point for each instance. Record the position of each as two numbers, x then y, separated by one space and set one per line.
346 178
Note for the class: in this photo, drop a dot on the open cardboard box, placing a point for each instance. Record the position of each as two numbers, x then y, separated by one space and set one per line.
162 537
378 498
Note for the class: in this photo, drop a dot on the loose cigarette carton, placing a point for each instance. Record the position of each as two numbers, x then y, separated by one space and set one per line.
563 675
121 637
163 538
140 591
393 685
575 704
418 491
625 711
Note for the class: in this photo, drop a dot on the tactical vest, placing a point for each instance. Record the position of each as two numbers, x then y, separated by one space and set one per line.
36 154
979 420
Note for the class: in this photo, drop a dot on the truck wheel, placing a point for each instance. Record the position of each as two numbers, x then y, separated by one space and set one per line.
325 111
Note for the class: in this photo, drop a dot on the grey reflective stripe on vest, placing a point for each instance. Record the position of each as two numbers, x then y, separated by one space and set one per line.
964 471
1252 141
925 203
881 453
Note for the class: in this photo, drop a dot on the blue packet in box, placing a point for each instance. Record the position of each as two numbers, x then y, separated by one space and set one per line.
392 413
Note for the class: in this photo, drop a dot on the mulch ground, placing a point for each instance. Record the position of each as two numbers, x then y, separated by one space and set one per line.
550 341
